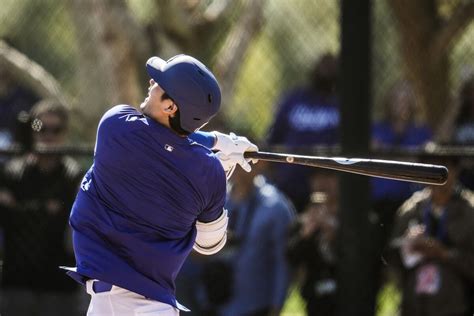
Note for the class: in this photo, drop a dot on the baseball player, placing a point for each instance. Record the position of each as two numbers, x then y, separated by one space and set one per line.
154 192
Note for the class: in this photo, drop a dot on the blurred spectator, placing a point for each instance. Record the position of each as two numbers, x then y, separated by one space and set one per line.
15 103
464 129
307 116
399 126
256 279
36 195
433 248
398 129
312 245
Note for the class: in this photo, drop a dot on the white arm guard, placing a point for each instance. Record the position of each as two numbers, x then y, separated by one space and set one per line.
211 237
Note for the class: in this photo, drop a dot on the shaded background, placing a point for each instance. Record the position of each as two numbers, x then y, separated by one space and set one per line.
259 49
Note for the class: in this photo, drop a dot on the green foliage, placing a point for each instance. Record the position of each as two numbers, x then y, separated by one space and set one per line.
293 36
255 91
292 39
446 8
388 302
387 67
462 59
9 16
43 31
302 31
144 10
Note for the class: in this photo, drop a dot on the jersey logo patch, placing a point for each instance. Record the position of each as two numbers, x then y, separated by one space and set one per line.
133 118
86 184
169 148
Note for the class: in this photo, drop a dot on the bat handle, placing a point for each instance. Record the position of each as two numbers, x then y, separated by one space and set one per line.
252 154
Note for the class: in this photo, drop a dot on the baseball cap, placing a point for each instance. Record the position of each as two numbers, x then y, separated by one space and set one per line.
191 85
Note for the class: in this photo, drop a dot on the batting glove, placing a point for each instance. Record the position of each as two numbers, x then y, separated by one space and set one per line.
227 163
231 151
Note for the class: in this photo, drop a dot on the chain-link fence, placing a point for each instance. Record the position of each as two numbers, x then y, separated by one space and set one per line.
260 50
279 56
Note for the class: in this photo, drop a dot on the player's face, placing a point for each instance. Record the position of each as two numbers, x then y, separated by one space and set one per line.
153 105
50 130
154 94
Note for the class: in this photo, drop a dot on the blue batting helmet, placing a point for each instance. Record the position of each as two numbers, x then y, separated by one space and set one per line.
191 85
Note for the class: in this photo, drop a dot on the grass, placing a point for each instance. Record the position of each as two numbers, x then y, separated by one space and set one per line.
388 301
294 305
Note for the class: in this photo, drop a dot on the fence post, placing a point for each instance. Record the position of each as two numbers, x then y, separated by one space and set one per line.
356 273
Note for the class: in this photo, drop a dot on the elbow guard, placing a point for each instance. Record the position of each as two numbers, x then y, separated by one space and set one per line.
211 237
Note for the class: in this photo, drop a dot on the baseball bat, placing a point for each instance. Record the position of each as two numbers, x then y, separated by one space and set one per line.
389 169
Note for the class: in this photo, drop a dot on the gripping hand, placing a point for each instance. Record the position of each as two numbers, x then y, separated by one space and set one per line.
231 151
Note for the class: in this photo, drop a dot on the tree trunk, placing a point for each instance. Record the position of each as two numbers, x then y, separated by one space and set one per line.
233 51
108 74
426 40
31 74
418 27
192 30
435 89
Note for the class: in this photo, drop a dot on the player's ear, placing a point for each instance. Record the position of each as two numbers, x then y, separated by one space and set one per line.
171 108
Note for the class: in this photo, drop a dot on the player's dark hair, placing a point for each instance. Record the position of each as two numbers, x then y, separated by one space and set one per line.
175 121
324 75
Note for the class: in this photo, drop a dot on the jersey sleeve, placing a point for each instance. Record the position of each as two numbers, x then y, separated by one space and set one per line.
216 191
206 139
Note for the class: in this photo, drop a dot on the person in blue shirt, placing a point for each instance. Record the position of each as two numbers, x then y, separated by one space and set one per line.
307 116
259 220
398 129
155 191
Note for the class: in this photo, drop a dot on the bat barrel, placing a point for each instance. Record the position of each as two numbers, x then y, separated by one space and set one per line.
390 169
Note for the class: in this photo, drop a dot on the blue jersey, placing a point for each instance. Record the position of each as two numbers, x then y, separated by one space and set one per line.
134 217
303 119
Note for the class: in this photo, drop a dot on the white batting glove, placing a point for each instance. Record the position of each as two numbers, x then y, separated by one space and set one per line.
231 151
227 163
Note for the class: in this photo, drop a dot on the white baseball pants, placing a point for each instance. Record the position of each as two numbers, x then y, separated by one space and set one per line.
122 302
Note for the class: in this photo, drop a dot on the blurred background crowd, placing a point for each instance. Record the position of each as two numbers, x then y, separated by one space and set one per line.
64 63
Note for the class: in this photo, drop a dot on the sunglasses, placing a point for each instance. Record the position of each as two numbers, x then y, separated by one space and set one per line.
39 127
51 130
